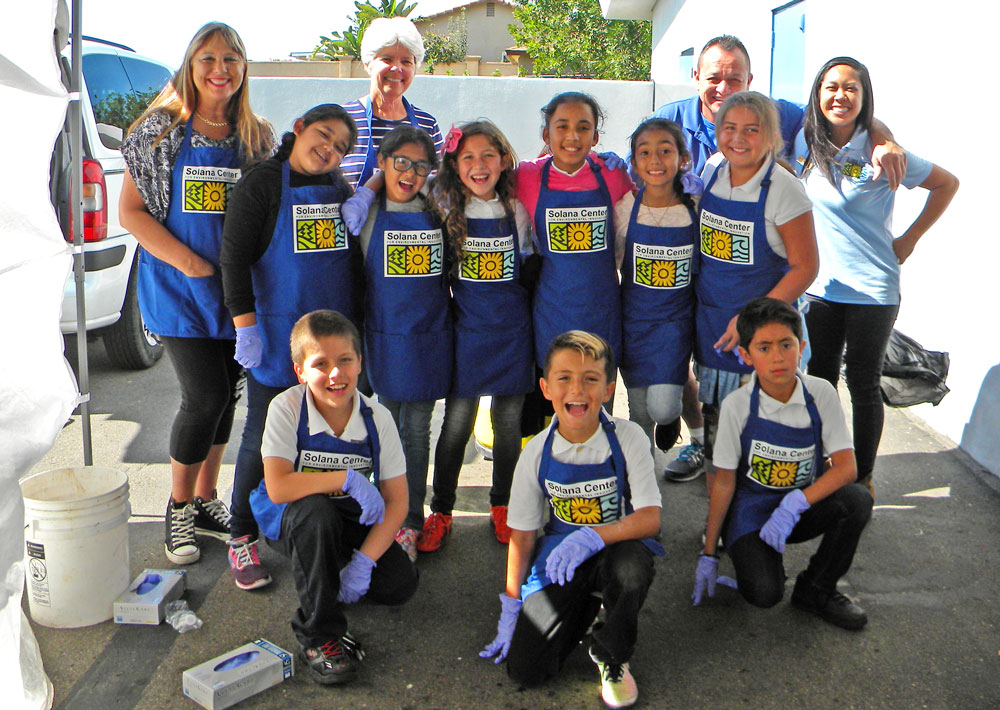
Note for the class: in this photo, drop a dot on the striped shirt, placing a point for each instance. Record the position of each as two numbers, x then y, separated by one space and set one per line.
354 161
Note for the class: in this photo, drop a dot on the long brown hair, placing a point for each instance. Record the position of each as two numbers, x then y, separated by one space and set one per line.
179 98
449 196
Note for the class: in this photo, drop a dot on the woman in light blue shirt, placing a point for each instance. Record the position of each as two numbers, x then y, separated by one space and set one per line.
855 298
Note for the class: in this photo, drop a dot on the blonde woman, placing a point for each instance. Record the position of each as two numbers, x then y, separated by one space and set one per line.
183 155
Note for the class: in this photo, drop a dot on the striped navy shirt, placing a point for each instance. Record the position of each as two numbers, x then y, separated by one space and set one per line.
354 161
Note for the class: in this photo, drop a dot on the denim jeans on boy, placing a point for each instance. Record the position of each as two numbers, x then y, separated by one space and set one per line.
413 421
554 619
459 420
249 465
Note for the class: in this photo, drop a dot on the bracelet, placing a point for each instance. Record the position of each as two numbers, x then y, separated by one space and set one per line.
709 554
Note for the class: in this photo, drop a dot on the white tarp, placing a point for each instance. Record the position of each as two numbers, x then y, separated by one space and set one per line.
37 389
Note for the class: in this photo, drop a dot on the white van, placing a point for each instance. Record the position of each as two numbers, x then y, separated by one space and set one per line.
118 85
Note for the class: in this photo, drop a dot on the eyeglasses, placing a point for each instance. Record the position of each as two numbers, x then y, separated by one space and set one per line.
420 167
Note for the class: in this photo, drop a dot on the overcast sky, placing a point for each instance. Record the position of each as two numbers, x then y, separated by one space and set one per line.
270 29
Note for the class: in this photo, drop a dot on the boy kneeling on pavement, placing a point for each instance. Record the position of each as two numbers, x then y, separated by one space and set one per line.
334 494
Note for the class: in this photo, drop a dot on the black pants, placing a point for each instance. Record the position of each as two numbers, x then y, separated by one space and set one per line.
249 471
554 619
858 336
209 379
320 540
840 518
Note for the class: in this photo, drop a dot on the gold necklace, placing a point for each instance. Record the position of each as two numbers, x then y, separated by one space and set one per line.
213 124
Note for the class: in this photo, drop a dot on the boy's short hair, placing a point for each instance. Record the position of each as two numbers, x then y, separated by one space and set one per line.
763 311
588 344
318 324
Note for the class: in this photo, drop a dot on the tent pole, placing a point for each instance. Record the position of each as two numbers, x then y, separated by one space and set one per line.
76 204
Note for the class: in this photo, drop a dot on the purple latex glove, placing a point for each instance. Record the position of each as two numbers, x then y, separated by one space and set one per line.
354 211
249 346
779 526
367 496
510 609
692 184
613 161
706 576
355 577
579 546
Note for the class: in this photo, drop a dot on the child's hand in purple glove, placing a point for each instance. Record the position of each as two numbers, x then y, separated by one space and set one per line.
579 546
354 211
367 496
779 526
510 609
706 576
613 161
355 578
249 346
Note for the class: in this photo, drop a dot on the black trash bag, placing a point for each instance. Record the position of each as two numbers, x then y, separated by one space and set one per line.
912 375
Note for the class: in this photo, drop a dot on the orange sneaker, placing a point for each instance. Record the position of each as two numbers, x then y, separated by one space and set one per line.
498 516
437 527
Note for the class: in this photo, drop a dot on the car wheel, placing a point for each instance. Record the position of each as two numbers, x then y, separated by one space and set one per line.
128 343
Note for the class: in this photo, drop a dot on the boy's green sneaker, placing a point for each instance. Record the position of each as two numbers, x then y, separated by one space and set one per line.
618 688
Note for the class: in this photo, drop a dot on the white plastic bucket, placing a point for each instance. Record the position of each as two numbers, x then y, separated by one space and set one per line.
76 544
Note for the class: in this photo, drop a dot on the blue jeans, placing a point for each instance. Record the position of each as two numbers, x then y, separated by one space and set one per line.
459 420
413 421
249 465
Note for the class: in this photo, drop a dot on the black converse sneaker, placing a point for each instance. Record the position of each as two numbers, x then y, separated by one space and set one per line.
180 544
211 518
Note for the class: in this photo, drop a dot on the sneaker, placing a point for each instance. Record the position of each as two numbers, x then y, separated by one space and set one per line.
688 465
618 688
437 527
245 564
179 542
334 662
498 516
407 539
211 518
831 606
666 435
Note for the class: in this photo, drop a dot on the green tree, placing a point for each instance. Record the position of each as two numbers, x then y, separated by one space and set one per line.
349 42
573 38
447 48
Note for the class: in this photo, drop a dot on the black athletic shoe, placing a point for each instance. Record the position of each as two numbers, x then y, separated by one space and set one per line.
666 435
334 662
211 518
179 542
831 606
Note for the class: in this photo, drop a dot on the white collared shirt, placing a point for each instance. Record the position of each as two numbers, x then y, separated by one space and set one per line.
528 505
280 437
476 208
736 410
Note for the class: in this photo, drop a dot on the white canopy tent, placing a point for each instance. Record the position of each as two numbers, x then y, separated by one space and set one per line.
37 388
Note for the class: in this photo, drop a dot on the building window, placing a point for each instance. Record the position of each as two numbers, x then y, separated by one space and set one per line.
491 9
686 65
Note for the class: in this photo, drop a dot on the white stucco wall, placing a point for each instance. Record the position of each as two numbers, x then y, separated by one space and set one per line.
925 62
513 104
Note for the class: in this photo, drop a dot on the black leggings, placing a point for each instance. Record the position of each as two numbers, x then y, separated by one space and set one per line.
210 382
864 330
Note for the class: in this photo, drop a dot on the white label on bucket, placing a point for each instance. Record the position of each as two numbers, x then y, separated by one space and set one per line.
39 579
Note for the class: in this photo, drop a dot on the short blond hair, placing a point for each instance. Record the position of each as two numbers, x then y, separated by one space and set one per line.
304 339
587 344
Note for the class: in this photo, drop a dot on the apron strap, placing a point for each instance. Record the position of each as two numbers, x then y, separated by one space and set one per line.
373 441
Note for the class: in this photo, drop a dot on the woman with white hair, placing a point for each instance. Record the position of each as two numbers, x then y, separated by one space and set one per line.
392 51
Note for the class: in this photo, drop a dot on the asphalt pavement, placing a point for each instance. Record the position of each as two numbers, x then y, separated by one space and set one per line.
926 572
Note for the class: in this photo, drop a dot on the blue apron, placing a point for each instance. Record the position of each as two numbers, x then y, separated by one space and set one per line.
408 333
318 453
736 265
657 302
774 459
307 266
172 304
589 495
492 314
578 285
371 150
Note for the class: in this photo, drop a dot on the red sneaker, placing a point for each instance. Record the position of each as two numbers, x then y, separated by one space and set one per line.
437 527
498 516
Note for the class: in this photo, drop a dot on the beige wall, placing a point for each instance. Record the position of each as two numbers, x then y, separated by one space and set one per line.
487 36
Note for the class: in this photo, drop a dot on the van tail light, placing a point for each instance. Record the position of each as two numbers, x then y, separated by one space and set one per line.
95 204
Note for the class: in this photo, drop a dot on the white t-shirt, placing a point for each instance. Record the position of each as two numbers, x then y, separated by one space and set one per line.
736 410
673 216
281 429
528 505
786 199
494 209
